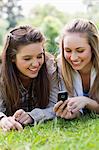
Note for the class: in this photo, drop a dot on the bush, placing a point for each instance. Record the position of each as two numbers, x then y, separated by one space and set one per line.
51 27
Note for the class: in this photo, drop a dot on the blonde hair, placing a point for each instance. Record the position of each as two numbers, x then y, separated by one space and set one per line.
84 27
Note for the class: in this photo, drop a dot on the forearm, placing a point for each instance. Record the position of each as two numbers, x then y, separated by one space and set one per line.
93 105
40 115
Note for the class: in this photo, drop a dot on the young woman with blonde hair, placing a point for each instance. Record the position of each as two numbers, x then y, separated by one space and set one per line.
79 69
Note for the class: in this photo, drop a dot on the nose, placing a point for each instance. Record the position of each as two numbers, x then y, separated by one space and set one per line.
74 56
35 63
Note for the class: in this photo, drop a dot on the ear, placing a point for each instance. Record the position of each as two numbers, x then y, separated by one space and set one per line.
13 60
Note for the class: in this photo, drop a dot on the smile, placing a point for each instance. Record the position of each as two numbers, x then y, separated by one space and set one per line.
76 63
34 70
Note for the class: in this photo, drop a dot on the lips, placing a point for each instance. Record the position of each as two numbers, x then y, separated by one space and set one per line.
76 62
33 70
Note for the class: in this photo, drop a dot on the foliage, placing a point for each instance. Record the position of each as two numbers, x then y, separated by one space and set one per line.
51 21
51 27
3 26
11 11
58 134
92 9
39 12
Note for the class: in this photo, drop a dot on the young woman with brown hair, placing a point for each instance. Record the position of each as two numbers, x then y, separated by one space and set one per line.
28 89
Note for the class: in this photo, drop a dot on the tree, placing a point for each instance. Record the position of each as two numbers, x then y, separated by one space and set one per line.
51 28
50 20
10 10
39 12
92 9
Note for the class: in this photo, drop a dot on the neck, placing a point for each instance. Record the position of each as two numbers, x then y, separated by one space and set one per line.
86 70
26 81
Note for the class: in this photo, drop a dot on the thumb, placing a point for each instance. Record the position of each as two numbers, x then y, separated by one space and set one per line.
18 113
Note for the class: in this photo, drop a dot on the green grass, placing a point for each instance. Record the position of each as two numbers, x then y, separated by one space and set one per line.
59 134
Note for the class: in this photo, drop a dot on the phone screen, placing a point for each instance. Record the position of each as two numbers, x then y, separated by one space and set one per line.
62 95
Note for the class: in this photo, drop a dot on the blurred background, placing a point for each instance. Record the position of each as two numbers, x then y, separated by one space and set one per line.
48 15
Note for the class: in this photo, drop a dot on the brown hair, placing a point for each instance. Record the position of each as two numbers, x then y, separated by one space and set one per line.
21 36
84 27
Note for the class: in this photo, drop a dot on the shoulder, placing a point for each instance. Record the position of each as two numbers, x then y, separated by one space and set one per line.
59 65
59 61
1 78
50 63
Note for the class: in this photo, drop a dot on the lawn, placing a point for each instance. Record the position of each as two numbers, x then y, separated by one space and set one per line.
58 134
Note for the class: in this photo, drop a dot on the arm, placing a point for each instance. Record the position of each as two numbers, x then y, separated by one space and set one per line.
44 114
2 104
93 105
7 123
77 103
37 114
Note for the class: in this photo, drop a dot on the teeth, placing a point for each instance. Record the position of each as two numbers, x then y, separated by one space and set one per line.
34 69
76 63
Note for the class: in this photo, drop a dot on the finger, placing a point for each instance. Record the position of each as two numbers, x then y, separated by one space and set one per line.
23 118
18 113
18 126
6 123
5 130
61 108
64 113
57 105
27 121
12 121
68 115
70 102
15 124
75 109
72 107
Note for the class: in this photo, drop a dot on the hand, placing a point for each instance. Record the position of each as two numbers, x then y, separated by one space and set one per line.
61 111
77 103
59 107
22 117
8 123
70 115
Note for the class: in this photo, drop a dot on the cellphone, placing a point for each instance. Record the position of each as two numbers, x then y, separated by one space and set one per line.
62 95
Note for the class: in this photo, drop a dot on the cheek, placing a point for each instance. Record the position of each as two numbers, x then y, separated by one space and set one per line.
67 55
41 61
21 64
87 55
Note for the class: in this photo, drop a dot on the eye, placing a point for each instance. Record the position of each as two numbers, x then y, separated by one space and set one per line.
28 58
80 50
40 56
68 50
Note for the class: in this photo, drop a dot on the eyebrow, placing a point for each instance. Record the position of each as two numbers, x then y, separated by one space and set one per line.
79 47
76 48
31 55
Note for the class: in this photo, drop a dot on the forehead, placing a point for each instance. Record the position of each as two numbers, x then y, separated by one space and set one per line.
75 39
31 49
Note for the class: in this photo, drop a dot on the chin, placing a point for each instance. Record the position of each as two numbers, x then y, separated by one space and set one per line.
34 76
77 68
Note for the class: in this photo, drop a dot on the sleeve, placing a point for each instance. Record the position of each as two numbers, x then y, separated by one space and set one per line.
40 115
2 105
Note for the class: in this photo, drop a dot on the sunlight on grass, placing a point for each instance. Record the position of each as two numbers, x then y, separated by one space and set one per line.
58 134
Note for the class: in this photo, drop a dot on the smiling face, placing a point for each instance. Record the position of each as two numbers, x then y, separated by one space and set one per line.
30 59
77 51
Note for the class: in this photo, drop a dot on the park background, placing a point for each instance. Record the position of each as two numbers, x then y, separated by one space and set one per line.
50 16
